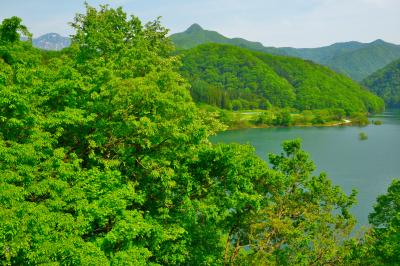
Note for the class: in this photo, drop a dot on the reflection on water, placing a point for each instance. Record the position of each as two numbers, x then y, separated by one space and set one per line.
367 166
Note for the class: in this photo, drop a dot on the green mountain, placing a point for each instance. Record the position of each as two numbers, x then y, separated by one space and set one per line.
196 35
232 77
386 83
364 61
355 59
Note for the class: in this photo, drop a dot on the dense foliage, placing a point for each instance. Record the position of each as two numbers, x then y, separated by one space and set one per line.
95 146
318 87
234 78
357 60
277 117
386 83
385 220
381 243
11 30
105 160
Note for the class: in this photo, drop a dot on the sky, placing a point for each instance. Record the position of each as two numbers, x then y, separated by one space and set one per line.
281 23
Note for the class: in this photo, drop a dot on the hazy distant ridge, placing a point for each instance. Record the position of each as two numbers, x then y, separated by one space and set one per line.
51 41
355 59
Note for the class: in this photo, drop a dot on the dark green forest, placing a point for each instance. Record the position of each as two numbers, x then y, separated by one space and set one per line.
235 78
386 83
354 59
105 159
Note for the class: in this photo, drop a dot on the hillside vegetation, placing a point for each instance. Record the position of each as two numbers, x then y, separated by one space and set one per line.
354 59
235 78
386 83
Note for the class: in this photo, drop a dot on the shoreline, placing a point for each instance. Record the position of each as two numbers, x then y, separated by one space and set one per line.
345 122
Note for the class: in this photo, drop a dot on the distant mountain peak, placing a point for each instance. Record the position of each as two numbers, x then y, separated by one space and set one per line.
379 41
52 35
51 41
194 28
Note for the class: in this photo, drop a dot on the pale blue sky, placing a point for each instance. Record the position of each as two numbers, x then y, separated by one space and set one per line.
297 23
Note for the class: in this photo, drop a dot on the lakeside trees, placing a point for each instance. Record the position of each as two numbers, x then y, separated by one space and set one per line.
105 160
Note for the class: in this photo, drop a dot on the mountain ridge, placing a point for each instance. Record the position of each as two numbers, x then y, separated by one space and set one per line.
345 57
355 59
51 41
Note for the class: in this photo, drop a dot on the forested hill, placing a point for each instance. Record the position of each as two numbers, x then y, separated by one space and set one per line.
355 59
386 83
232 77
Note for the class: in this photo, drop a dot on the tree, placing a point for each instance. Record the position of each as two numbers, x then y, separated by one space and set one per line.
307 219
11 28
385 221
282 118
94 147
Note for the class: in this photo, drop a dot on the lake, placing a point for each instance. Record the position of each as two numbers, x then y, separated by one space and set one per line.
368 166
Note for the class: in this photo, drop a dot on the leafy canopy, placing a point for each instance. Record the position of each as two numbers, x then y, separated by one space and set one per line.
385 221
11 28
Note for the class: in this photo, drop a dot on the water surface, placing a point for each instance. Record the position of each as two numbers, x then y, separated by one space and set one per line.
367 166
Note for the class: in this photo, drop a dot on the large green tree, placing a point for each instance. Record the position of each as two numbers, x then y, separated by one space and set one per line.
11 30
93 147
305 222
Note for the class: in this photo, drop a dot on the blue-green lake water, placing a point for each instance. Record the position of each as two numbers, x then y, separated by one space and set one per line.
368 166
